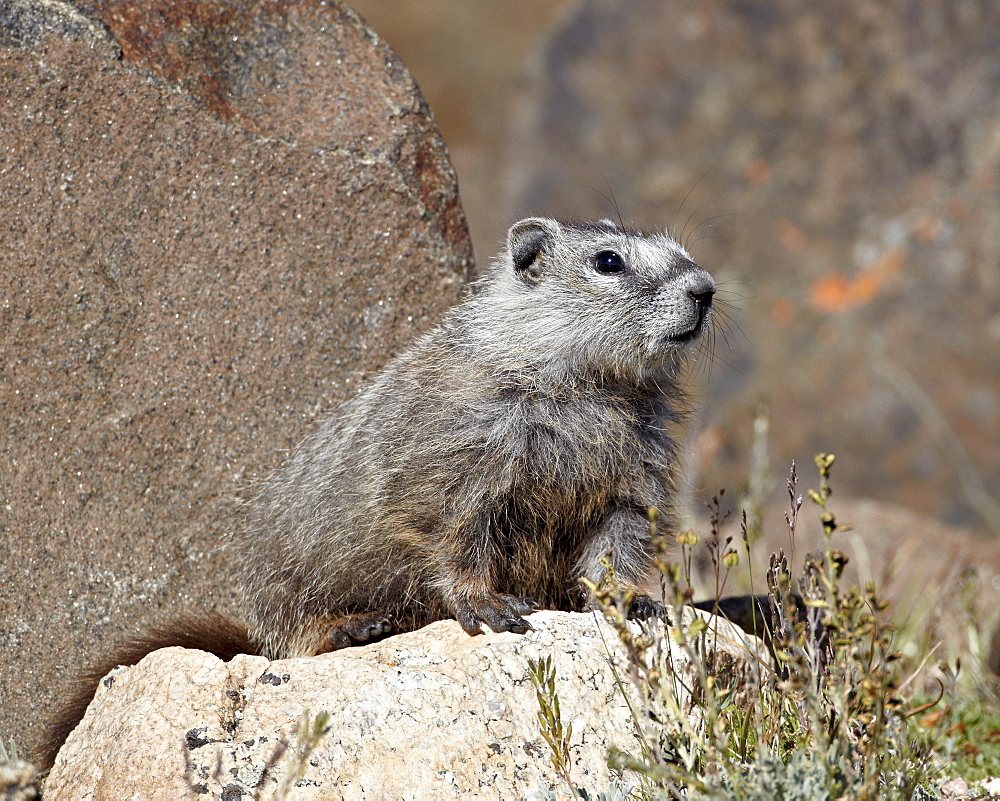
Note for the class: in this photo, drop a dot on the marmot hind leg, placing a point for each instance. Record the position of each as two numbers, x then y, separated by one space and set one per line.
358 629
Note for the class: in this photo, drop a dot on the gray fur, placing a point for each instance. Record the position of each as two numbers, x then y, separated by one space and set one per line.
497 459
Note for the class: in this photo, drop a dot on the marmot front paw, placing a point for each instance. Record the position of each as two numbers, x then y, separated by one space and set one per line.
498 611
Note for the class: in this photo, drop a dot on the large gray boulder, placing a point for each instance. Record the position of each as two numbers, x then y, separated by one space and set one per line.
216 218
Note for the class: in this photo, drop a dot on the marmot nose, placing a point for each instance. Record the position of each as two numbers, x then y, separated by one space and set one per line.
702 298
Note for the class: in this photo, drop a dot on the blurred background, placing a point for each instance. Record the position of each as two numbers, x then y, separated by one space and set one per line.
835 166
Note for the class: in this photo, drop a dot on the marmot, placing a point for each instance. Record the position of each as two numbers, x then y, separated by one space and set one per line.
494 463
484 471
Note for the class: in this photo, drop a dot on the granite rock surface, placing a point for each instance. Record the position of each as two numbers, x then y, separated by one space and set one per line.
428 714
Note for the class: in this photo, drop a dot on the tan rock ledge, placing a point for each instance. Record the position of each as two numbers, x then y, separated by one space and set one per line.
430 714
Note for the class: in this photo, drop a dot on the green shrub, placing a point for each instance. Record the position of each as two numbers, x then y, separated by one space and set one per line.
828 712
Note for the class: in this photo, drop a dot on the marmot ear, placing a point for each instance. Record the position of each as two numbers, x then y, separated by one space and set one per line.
526 241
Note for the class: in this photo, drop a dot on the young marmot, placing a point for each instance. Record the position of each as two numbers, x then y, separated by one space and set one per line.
484 471
494 463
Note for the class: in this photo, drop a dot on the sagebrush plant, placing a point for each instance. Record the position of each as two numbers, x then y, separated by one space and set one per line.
822 708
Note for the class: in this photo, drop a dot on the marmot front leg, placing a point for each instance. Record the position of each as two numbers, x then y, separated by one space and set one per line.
465 581
625 535
498 610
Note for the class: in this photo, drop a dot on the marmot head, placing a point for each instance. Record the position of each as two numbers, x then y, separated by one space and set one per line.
579 301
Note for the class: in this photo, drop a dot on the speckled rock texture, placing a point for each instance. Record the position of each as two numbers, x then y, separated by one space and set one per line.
429 714
215 218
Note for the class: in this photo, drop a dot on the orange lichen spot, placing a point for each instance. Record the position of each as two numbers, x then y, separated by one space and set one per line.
865 287
835 293
757 172
831 292
782 311
792 238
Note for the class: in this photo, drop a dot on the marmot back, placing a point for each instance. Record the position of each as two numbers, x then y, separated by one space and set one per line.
494 463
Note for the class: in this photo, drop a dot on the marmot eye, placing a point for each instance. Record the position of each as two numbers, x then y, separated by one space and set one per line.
608 262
